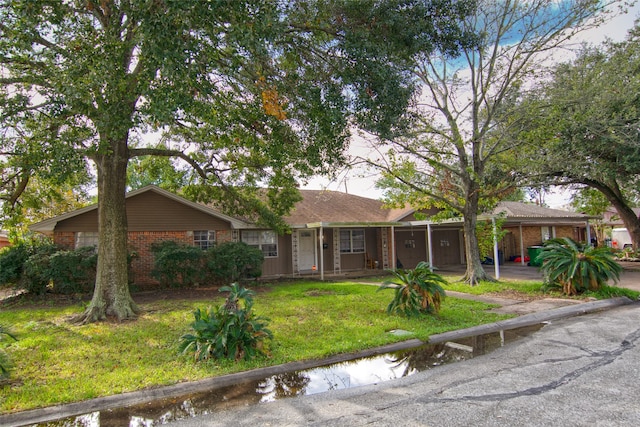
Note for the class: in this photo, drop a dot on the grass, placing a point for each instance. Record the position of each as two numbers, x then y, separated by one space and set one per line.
55 362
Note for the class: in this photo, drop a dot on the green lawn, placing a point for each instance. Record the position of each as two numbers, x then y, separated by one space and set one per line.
57 362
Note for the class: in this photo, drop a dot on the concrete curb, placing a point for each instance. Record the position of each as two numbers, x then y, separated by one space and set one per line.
143 396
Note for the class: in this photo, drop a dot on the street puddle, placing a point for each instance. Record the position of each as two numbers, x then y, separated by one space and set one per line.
338 376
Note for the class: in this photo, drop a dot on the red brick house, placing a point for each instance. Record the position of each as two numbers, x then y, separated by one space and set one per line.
331 232
4 239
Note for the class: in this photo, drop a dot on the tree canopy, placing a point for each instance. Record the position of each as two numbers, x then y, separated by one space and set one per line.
455 155
584 126
248 93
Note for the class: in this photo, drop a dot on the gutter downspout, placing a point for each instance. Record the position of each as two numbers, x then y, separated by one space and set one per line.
321 253
521 246
430 247
393 249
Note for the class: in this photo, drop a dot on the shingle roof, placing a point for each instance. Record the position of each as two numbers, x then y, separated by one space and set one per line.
334 206
515 210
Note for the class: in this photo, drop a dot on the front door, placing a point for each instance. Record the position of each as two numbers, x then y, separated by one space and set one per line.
306 249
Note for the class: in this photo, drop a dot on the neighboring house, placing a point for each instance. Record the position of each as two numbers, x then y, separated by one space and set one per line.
331 232
4 239
531 225
612 219
620 237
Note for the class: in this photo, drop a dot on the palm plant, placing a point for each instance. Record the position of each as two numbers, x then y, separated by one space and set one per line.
576 267
232 331
417 291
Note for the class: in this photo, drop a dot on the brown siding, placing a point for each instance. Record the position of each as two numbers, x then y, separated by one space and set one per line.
150 211
328 252
351 262
410 255
446 247
282 263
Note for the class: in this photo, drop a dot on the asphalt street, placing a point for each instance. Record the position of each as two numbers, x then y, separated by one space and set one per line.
579 371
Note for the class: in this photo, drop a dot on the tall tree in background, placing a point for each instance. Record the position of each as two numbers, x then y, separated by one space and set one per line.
248 93
584 126
453 159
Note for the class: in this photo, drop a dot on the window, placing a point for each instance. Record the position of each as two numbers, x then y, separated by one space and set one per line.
86 238
204 239
266 241
352 241
410 244
547 233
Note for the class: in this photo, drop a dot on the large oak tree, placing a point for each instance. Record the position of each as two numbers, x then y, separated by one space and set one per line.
248 93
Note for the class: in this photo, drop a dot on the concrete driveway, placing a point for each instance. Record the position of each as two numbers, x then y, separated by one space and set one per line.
581 371
630 277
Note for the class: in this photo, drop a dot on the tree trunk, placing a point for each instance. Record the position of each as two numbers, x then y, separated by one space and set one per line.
111 297
629 218
475 272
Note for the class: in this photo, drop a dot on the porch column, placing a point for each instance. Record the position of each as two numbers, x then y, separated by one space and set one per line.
588 233
496 259
393 249
321 253
430 247
521 245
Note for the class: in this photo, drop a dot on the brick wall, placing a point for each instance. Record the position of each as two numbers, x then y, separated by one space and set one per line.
65 239
532 235
140 246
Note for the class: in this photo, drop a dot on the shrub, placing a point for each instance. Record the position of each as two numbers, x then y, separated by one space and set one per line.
232 331
577 267
5 364
34 266
177 264
73 271
14 258
234 261
12 261
35 275
417 291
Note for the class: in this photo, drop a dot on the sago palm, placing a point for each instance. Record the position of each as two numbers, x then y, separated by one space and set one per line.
417 291
577 267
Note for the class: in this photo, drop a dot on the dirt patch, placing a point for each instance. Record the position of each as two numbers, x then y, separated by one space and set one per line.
318 293
520 296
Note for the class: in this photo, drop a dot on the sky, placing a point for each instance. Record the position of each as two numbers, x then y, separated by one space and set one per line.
362 183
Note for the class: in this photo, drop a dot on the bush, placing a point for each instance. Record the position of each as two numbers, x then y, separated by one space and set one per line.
12 261
14 258
177 264
232 331
234 261
417 291
37 267
576 267
73 271
35 275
